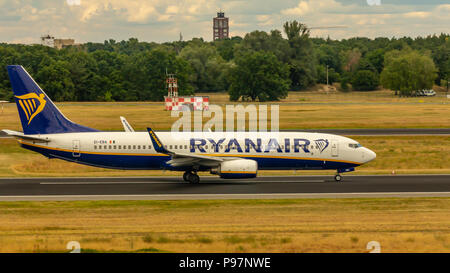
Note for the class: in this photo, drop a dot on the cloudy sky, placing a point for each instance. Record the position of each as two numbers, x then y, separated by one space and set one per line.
23 21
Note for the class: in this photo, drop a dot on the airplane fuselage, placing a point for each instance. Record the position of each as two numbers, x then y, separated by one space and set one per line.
271 151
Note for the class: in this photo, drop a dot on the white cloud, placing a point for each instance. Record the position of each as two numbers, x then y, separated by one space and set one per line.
417 14
73 2
162 20
265 20
305 7
302 8
172 9
443 8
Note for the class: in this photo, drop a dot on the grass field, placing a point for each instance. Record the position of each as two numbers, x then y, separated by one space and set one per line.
308 225
305 225
301 110
404 154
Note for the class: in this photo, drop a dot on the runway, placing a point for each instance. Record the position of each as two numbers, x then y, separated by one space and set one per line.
267 187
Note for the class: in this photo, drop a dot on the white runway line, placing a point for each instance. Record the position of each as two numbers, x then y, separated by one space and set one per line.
174 182
104 183
220 196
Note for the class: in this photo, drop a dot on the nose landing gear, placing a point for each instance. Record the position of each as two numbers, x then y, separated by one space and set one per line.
190 177
338 177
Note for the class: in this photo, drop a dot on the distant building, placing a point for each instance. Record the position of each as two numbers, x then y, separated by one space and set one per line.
50 41
62 43
221 28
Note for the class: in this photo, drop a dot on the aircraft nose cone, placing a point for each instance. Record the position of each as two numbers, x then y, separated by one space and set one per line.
370 155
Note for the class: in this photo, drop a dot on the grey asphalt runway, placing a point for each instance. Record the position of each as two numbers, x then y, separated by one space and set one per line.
270 187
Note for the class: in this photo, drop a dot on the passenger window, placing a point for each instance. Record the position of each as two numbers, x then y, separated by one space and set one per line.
139 147
129 147
110 147
185 147
95 147
134 147
170 147
114 147
149 147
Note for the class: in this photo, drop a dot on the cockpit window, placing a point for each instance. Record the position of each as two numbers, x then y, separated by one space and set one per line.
354 145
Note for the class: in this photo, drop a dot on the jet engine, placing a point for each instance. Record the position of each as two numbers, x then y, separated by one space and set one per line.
235 169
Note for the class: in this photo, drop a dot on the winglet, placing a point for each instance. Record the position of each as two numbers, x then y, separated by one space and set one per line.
159 147
126 126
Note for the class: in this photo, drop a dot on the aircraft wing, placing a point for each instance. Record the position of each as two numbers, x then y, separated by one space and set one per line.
182 159
25 137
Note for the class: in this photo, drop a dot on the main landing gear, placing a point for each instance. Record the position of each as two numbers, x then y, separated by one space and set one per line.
338 177
190 177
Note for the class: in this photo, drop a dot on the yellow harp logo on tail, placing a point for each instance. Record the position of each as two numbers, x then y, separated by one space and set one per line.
31 104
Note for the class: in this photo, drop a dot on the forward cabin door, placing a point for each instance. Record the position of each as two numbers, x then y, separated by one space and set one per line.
334 148
76 148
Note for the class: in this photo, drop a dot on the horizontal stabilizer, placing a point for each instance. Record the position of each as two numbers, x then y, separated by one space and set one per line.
25 137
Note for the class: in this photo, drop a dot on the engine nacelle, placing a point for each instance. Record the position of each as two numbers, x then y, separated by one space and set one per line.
239 168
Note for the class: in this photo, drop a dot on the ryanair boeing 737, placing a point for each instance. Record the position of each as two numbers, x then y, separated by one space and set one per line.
230 155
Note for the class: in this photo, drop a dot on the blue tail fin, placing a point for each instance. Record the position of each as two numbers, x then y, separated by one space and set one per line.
38 114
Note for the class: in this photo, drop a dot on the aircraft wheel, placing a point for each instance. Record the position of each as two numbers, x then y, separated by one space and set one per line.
338 178
194 178
186 176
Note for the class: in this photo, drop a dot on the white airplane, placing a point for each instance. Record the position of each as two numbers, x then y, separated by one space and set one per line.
230 155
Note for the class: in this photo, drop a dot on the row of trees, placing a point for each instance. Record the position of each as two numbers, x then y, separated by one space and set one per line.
260 66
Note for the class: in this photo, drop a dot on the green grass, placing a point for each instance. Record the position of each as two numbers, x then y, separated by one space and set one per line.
294 225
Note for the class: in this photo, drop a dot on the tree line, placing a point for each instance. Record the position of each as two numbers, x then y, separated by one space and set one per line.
260 66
